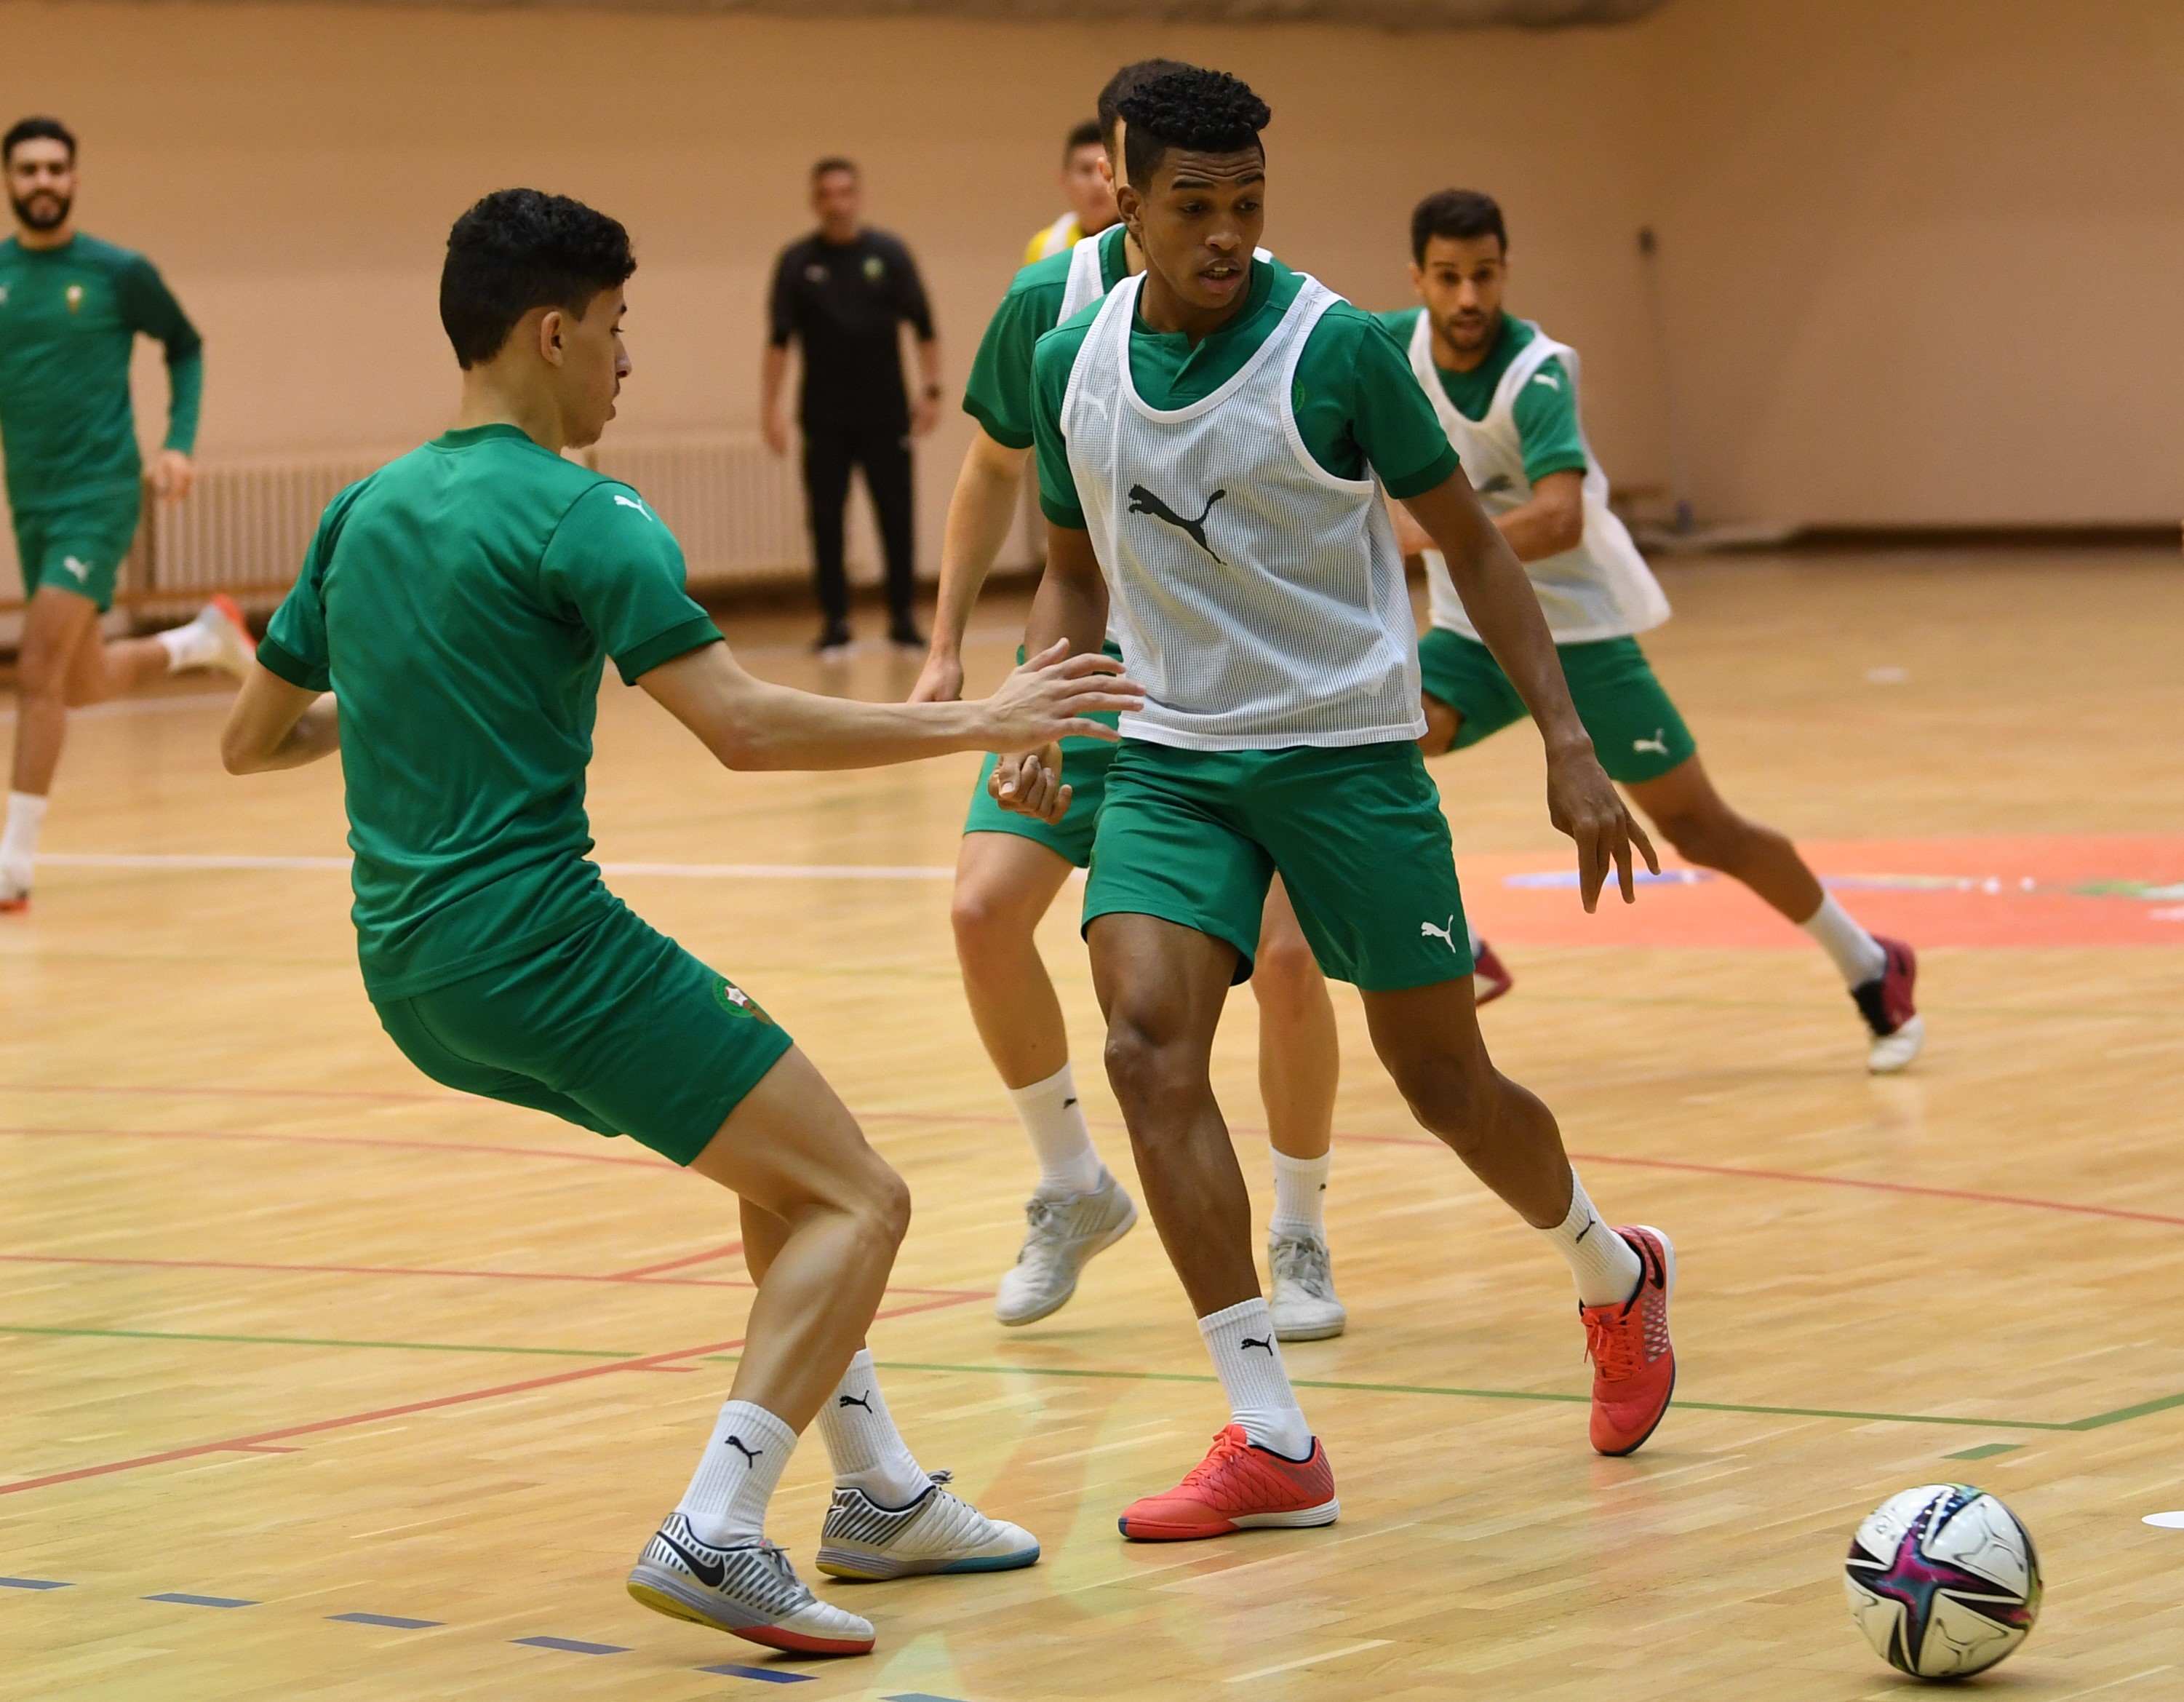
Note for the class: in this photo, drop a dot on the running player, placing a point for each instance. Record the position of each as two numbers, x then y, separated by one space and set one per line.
70 309
1089 189
1214 440
445 637
1010 866
1507 394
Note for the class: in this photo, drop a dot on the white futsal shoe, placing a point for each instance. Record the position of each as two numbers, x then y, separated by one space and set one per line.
226 645
1064 1231
15 883
1888 1004
749 1590
938 1533
1304 1303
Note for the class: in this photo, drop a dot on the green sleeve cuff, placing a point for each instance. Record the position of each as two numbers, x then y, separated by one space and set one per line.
1008 437
1433 472
185 380
679 640
1557 461
1069 519
277 658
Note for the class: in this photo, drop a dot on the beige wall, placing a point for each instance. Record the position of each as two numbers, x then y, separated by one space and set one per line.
1911 252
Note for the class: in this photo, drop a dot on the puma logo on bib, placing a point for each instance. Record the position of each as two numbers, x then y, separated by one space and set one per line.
1143 501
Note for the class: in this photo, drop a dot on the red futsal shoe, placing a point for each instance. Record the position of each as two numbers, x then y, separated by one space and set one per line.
1634 1365
1886 1004
1238 1486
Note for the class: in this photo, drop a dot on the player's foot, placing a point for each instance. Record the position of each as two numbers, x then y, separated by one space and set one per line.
750 1591
15 884
1238 1486
1066 1230
1489 976
1303 1302
1634 1365
938 1533
1887 1005
222 620
833 643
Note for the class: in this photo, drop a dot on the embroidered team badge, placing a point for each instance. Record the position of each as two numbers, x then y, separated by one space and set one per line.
738 1003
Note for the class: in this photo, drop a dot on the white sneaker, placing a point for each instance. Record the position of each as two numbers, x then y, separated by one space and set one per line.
1304 1304
1066 1230
15 883
228 644
938 1533
749 1590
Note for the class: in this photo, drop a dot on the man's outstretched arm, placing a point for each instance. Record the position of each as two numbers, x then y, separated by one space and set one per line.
749 723
1581 800
276 725
979 516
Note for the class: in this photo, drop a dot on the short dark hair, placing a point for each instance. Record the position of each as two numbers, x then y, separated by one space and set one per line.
833 162
1208 112
1459 215
37 130
521 249
1085 135
1125 83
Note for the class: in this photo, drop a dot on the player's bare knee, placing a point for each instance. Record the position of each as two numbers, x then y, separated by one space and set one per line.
1285 975
1454 1101
987 918
41 672
1707 840
1143 1067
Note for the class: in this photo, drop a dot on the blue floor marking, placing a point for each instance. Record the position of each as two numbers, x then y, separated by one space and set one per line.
568 1645
31 1584
765 1674
385 1619
188 1600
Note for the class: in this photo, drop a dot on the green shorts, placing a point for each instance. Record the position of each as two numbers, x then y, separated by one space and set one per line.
78 548
1084 764
1193 837
615 1028
1635 729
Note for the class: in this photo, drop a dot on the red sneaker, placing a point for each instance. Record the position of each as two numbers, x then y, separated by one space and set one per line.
1886 1004
1238 1486
1489 977
1634 1365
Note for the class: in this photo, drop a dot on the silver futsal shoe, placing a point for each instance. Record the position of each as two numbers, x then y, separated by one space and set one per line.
1304 1304
1066 1230
749 1590
938 1533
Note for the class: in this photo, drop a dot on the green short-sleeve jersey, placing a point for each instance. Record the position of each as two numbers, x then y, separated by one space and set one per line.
459 603
69 318
1546 410
1356 403
999 393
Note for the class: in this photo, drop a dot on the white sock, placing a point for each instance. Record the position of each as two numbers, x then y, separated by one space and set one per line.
1605 1266
1856 953
19 840
1056 1123
1301 1195
1249 1361
868 1452
726 1501
193 645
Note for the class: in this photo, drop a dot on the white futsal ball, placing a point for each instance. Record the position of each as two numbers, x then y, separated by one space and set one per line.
1942 1579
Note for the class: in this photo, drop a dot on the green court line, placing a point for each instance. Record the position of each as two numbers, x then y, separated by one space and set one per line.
310 1341
1986 1450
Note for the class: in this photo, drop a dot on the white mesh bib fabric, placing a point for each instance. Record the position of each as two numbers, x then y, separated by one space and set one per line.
1600 590
1259 598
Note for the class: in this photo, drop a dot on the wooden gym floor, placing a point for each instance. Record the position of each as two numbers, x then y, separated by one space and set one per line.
297 1346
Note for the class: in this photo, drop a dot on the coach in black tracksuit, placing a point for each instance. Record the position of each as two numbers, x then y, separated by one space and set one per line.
841 293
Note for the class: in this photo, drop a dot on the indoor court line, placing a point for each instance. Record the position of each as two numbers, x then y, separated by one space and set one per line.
671 871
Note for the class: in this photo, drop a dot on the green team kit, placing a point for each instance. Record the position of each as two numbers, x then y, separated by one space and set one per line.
496 956
70 317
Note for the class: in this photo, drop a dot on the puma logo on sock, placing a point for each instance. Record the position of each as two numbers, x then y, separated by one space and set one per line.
1254 1342
864 1401
737 1443
1143 501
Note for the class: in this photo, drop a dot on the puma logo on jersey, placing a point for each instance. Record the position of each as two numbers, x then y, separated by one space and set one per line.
1547 379
1143 501
1446 936
622 501
1658 744
80 569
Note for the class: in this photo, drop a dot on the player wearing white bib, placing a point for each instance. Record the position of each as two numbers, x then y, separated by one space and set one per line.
1012 865
1214 439
1507 394
1089 189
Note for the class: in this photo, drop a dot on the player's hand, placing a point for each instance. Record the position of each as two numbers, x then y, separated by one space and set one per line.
1031 784
1047 698
941 680
172 475
777 433
1583 803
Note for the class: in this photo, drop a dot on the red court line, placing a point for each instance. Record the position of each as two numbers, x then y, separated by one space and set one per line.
431 1270
317 1426
728 1252
656 1164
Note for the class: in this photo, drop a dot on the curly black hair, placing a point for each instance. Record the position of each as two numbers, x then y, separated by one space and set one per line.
1208 112
1125 83
520 248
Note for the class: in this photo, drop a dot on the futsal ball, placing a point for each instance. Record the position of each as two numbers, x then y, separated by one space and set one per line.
1942 1579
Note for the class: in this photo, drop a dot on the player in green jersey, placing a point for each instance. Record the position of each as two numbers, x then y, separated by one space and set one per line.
71 308
1507 395
445 638
1216 440
1011 867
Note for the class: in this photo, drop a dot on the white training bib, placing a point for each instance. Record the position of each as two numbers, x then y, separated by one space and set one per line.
1259 598
1600 590
1084 284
